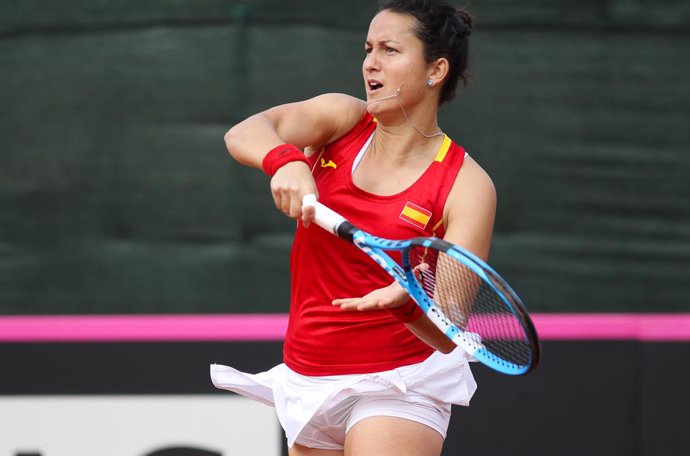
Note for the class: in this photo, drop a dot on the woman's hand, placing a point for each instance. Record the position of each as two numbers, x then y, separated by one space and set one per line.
388 297
289 185
394 296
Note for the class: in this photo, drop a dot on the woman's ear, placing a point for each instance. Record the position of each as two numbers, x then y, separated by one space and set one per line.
438 71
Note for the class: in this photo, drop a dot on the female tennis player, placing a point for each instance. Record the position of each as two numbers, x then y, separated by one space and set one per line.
365 372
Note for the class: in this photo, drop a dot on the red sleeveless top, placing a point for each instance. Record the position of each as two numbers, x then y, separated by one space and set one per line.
322 339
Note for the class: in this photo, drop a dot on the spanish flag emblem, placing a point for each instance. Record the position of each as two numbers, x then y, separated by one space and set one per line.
416 215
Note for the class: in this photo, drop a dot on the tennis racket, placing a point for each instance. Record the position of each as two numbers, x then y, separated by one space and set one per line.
463 296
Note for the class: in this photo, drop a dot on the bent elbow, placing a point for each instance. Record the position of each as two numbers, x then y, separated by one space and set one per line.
446 350
446 346
230 139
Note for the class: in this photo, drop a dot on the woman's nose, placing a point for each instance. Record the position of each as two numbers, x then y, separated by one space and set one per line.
370 62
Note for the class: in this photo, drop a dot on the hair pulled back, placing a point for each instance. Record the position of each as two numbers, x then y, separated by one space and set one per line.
444 32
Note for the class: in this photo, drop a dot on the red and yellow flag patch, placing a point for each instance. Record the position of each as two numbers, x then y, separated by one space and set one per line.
416 215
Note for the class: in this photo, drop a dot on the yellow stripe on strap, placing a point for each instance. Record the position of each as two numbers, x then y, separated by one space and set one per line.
445 146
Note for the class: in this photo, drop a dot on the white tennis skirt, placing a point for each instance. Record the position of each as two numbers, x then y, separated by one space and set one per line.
446 379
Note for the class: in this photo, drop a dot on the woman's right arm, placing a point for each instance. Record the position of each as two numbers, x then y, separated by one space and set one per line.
311 123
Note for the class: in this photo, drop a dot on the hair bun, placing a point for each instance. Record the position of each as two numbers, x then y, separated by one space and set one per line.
466 21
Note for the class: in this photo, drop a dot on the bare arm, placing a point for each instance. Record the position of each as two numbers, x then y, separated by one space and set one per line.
311 123
469 214
471 209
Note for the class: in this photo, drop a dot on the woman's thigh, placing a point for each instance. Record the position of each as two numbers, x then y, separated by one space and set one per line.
299 450
392 436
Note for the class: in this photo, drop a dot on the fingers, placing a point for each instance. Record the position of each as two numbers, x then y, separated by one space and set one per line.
289 185
308 214
390 296
362 304
420 270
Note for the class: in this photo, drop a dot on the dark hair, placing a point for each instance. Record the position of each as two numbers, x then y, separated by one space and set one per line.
444 31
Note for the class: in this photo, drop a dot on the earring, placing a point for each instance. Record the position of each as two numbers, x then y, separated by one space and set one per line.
429 82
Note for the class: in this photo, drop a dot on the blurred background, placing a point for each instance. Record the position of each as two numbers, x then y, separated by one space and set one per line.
117 195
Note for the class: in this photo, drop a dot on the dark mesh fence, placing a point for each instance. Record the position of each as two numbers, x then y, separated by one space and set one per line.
117 195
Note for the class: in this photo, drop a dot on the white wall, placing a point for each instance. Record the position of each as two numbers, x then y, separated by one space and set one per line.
136 425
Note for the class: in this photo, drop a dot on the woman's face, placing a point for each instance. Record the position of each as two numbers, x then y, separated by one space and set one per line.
394 62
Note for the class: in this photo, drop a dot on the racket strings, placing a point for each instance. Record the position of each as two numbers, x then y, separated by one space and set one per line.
472 304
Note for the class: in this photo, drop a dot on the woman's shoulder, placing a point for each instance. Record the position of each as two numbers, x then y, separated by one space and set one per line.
344 110
341 99
473 178
338 104
470 209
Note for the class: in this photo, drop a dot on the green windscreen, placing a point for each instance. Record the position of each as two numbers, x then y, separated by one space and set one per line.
117 194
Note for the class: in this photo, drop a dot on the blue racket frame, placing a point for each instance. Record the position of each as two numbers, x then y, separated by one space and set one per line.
375 247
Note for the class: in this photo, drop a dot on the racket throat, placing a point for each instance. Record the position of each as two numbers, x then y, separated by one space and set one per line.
346 230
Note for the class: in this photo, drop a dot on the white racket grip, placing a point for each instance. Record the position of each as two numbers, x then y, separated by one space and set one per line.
326 218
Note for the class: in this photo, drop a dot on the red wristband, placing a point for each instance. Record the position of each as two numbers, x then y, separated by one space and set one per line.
408 312
280 156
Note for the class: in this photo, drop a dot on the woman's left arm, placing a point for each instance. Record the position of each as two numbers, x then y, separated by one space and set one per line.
469 219
471 209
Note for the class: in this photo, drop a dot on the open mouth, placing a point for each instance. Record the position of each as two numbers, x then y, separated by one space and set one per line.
374 86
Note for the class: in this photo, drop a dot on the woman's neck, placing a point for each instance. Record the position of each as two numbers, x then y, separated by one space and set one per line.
402 143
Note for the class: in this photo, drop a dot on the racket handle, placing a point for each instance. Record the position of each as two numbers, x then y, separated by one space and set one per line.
326 218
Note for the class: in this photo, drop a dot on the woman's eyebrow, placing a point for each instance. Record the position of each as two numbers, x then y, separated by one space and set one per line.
384 42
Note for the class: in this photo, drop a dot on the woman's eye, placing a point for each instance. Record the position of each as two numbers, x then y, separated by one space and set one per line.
391 51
